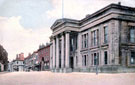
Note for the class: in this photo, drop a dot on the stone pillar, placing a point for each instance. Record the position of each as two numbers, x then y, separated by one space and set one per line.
53 53
79 48
51 56
57 52
67 50
75 61
62 52
124 57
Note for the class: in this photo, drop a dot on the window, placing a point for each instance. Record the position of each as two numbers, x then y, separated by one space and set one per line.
105 57
82 41
85 40
132 34
94 37
76 61
92 59
132 59
105 34
97 37
96 58
84 60
72 44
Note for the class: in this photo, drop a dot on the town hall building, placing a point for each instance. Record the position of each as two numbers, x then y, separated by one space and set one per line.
104 40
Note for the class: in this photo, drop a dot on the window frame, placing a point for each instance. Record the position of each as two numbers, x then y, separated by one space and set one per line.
132 63
95 37
85 40
84 60
105 34
105 57
130 35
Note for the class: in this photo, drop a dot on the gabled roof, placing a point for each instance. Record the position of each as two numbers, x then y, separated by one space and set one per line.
59 22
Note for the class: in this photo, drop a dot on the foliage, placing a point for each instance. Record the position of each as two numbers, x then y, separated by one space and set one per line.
3 55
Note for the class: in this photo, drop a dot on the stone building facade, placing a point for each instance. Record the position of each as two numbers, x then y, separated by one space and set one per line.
103 41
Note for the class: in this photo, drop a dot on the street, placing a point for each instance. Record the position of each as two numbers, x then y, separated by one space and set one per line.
49 78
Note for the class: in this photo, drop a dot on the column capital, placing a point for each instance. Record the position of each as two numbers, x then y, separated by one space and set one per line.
61 34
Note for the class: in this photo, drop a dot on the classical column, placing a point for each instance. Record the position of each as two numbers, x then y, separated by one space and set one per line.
51 56
57 52
67 50
79 49
62 51
53 53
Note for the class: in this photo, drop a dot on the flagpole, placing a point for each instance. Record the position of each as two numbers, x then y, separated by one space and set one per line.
62 9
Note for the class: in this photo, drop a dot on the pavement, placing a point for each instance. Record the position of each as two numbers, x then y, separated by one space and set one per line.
4 72
75 78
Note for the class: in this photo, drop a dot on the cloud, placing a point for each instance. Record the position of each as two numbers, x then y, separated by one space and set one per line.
29 10
16 38
78 9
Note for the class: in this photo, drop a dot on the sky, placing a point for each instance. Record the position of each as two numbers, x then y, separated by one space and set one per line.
25 24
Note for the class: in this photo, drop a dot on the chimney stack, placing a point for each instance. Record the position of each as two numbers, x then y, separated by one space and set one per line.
119 3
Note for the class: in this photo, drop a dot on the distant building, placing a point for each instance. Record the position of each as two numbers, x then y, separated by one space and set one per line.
17 64
103 41
44 56
32 62
27 65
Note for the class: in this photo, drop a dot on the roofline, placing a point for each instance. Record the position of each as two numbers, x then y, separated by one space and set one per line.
44 47
66 20
105 9
18 60
117 6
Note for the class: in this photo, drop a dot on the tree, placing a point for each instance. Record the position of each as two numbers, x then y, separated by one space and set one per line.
3 57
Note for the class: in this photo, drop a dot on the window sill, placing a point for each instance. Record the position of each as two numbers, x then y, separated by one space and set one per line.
93 47
103 45
83 49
